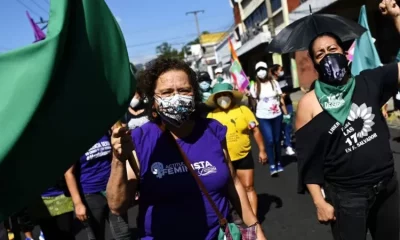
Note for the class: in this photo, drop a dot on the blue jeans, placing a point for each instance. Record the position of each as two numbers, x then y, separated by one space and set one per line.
287 129
271 132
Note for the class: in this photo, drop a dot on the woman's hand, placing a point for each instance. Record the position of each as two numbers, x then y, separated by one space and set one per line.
121 142
385 114
260 233
325 212
80 212
390 8
262 157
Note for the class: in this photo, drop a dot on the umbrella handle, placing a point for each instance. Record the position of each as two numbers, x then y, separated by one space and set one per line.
309 5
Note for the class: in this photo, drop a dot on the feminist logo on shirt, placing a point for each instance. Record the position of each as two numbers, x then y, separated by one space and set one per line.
203 168
100 149
356 137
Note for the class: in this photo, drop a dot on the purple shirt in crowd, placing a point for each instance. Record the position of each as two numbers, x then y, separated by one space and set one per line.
94 167
53 192
171 204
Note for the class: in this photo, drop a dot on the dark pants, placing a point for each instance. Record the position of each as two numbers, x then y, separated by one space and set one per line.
58 227
271 132
3 232
99 213
368 208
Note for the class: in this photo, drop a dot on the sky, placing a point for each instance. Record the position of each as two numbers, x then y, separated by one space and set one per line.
145 24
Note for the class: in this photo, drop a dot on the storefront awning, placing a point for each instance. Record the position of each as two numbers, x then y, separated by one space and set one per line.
304 9
261 38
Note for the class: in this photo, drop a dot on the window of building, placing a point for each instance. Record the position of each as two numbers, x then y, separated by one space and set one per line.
245 3
278 19
259 15
276 4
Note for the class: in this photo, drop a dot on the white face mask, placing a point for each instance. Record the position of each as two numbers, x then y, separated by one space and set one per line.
224 102
262 74
281 74
134 102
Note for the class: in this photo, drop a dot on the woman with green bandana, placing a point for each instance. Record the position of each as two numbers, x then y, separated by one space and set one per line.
344 155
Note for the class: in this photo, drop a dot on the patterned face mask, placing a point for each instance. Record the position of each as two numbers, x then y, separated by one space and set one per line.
175 109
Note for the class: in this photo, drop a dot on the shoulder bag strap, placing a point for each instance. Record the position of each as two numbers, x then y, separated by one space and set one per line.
222 219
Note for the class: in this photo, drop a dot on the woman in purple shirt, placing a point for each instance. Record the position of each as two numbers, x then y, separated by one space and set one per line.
87 181
171 205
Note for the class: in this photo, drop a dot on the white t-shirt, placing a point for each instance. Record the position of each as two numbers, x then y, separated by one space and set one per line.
268 106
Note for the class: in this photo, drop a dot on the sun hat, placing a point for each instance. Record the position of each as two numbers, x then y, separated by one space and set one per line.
261 65
220 88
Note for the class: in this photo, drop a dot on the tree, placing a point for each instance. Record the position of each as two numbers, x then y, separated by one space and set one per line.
166 50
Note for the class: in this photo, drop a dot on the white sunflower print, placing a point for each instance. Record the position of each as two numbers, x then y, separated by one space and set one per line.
365 113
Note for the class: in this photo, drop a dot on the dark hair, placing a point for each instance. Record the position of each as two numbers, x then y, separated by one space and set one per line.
274 68
326 34
148 79
203 76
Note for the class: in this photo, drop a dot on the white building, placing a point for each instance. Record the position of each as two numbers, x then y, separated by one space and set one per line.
203 57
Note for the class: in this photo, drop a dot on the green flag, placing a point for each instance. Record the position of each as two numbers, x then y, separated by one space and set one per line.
58 97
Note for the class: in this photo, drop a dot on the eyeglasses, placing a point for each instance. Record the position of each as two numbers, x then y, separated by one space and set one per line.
171 92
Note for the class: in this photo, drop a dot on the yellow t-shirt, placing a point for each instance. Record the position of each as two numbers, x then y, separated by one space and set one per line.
239 122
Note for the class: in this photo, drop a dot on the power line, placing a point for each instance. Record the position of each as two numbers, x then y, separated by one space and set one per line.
159 41
37 5
180 23
27 7
175 38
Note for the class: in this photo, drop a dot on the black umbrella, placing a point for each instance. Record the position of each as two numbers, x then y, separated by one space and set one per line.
298 35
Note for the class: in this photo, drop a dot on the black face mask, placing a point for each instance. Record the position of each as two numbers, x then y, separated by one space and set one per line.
333 69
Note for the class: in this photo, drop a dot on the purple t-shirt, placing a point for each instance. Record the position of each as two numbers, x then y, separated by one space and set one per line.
53 192
171 204
94 167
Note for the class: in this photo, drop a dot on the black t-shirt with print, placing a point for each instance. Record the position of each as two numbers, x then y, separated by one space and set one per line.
358 153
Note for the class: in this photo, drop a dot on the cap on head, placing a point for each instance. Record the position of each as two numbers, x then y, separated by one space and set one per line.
203 76
261 65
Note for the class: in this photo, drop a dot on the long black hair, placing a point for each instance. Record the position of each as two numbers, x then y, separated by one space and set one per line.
275 68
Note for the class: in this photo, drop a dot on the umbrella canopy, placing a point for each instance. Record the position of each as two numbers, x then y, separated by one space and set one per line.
298 35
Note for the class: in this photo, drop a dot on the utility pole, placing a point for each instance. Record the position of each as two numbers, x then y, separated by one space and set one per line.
271 25
199 35
197 22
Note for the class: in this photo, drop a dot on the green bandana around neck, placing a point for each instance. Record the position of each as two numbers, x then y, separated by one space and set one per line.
336 100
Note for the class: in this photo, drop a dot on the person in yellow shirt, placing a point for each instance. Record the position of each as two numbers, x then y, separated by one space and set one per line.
240 122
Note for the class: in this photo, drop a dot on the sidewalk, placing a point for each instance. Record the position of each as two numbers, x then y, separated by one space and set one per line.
393 120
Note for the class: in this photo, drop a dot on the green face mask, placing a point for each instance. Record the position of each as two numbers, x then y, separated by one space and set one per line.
336 100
